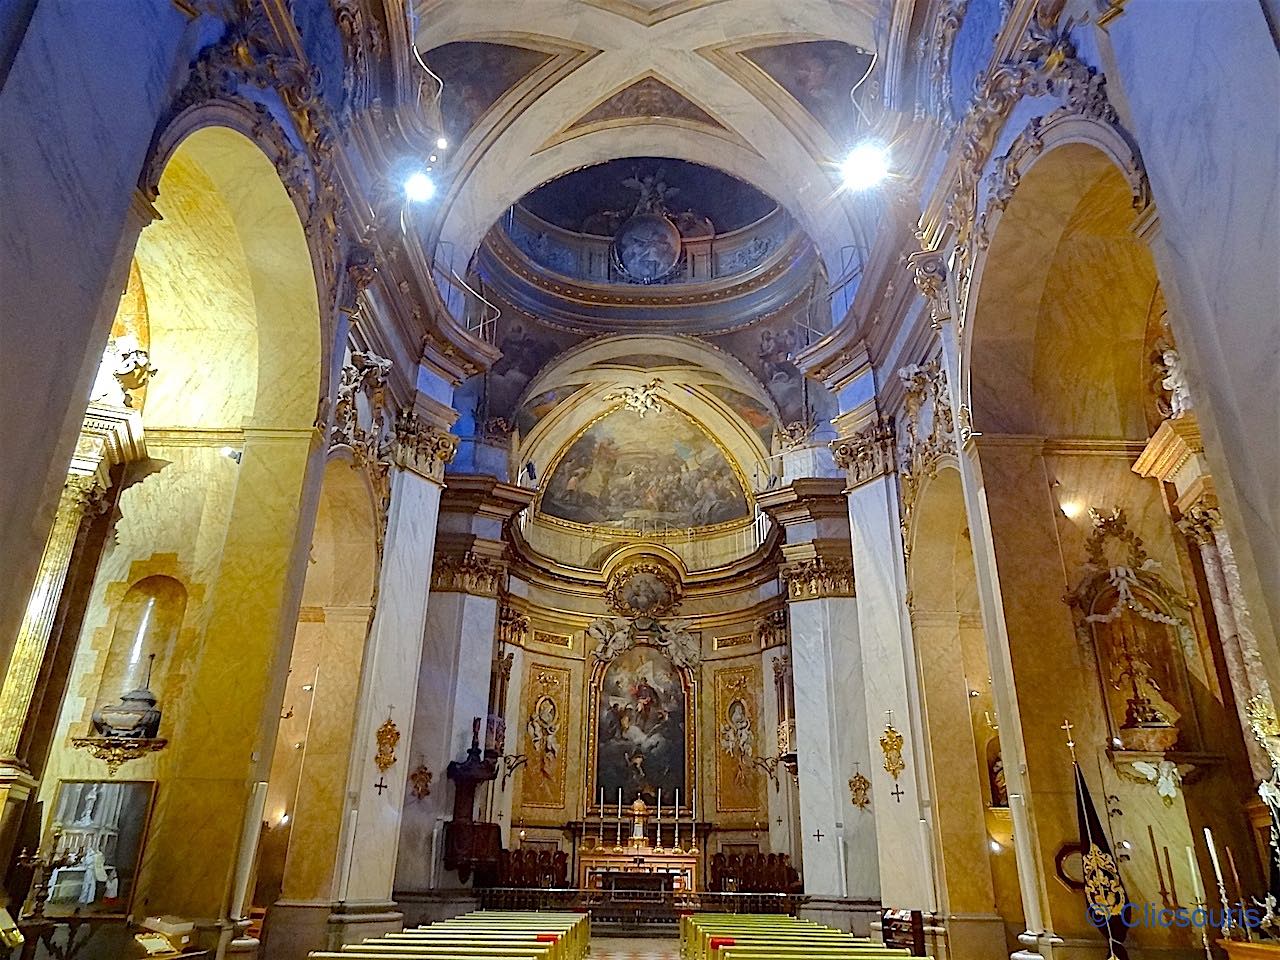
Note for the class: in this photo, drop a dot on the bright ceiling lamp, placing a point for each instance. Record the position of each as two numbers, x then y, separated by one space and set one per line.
419 187
866 166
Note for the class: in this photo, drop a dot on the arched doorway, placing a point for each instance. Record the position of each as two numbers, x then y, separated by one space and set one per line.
303 848
1059 376
977 876
213 517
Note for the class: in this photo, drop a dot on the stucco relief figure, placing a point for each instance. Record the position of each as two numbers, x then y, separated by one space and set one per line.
1175 381
737 739
641 726
543 729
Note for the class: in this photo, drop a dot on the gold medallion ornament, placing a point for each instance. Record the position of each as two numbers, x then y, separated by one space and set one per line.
891 743
860 790
388 736
1102 888
420 782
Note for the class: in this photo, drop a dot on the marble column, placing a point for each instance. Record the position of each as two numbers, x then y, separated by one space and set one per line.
903 823
457 660
16 782
388 707
1175 454
838 841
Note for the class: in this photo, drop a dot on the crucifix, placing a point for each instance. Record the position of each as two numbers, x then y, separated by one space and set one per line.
819 835
897 793
1071 741
381 785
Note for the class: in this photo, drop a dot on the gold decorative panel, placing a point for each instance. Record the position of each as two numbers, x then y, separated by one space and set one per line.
546 711
737 640
554 639
739 784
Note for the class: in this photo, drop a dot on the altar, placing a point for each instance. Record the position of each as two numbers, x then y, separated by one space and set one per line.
636 864
609 868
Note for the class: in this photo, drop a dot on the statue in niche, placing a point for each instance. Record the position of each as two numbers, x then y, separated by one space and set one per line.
1175 381
1126 610
1139 672
999 787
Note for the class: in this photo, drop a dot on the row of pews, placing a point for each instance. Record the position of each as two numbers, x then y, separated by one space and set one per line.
483 935
736 936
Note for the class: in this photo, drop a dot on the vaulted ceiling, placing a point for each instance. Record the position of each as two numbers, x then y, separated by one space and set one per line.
537 88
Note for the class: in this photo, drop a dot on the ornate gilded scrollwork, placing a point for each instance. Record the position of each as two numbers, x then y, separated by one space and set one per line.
818 577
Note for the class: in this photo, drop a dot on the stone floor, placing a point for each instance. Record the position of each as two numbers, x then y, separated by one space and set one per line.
633 948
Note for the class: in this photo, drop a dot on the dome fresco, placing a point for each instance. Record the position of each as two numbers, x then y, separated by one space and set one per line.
659 469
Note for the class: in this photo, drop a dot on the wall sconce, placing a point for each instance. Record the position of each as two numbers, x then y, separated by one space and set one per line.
511 762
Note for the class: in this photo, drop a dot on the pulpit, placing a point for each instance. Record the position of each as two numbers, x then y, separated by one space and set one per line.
469 845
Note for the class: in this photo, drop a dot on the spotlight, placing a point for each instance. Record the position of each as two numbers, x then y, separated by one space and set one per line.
442 143
231 452
995 846
418 187
866 165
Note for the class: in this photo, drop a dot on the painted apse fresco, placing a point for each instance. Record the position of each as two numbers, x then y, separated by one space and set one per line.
628 470
641 723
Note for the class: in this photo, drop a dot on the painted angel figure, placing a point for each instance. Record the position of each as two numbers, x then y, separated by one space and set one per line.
737 739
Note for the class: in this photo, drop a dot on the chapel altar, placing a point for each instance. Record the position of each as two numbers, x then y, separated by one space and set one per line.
638 862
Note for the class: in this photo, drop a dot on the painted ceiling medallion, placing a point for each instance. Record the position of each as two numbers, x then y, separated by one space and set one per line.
644 589
647 247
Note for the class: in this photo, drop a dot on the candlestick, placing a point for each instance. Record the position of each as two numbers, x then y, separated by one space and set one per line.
1197 889
676 842
1222 887
693 821
1235 880
617 840
657 833
600 822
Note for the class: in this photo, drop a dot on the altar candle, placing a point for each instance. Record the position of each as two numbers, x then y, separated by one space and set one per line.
676 807
1196 887
600 823
1213 857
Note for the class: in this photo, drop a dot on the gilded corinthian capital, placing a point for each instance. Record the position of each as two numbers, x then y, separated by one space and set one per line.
818 577
422 447
866 454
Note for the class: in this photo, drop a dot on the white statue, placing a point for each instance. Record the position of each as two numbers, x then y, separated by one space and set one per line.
1175 381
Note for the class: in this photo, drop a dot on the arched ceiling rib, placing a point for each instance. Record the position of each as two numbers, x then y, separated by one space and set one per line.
693 48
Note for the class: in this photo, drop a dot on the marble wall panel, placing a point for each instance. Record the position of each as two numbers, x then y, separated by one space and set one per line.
76 132
1210 140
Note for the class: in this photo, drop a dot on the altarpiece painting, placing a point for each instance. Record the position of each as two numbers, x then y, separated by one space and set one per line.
641 709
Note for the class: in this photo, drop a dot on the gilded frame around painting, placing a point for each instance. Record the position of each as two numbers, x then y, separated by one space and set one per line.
595 685
98 815
544 737
739 782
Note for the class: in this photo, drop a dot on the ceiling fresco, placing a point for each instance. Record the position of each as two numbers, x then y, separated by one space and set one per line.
820 75
476 74
647 97
630 470
599 198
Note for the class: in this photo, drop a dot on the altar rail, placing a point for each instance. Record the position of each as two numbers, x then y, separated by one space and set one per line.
637 906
